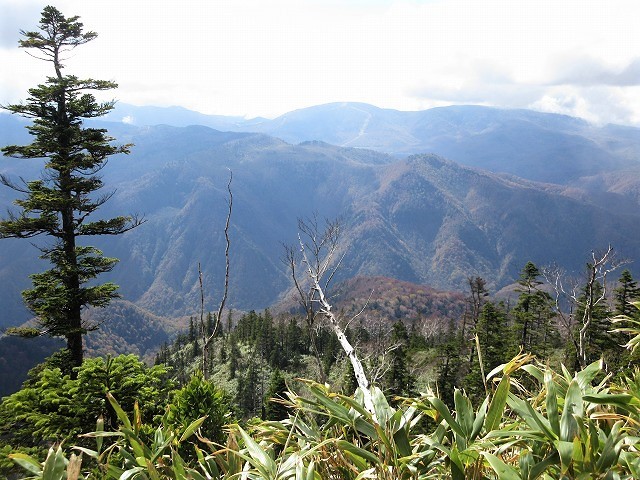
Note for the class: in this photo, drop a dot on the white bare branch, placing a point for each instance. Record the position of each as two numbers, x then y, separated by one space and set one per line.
316 268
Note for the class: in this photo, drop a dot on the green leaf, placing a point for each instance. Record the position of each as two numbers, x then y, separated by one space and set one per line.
381 406
26 462
551 402
443 410
534 372
479 421
402 442
457 468
620 400
359 452
504 471
88 452
122 416
565 450
464 413
540 467
127 474
534 419
190 430
54 465
262 460
364 427
311 471
99 428
498 402
585 376
573 407
611 449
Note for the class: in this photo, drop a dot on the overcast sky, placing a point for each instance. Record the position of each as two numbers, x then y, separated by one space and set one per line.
264 58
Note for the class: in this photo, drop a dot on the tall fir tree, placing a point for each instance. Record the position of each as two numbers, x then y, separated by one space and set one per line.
276 391
626 292
60 203
398 380
496 346
533 314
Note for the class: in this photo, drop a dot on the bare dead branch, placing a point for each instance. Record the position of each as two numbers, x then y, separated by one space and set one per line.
207 337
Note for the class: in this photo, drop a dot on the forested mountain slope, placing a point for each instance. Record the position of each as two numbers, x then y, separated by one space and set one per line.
538 146
422 219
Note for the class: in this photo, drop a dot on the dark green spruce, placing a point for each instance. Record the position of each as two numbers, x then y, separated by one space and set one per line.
60 203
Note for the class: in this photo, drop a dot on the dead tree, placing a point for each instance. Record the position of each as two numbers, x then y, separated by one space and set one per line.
573 296
207 337
318 256
318 242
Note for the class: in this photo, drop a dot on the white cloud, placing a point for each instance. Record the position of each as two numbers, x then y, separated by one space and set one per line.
591 71
256 58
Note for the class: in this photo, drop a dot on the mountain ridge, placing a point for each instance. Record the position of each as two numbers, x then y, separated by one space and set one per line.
422 218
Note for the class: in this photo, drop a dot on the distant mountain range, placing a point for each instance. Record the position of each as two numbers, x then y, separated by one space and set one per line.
537 146
426 197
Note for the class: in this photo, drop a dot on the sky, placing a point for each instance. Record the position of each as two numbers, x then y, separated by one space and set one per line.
264 58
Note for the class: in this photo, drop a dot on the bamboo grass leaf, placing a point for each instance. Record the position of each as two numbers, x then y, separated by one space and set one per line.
54 465
573 407
260 457
357 451
504 471
464 413
551 403
565 450
27 462
122 416
190 430
498 402
127 474
444 412
585 376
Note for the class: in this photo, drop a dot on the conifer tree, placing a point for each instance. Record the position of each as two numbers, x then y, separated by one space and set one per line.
496 346
398 379
533 313
626 292
274 410
60 203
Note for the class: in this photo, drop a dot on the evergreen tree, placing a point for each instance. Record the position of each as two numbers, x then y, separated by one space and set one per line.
200 398
248 398
274 410
533 314
229 322
479 293
626 292
192 330
496 346
209 325
349 383
59 204
449 368
398 380
493 335
234 356
54 406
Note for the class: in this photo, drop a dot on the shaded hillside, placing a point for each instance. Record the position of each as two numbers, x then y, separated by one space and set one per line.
432 222
125 328
19 355
424 219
